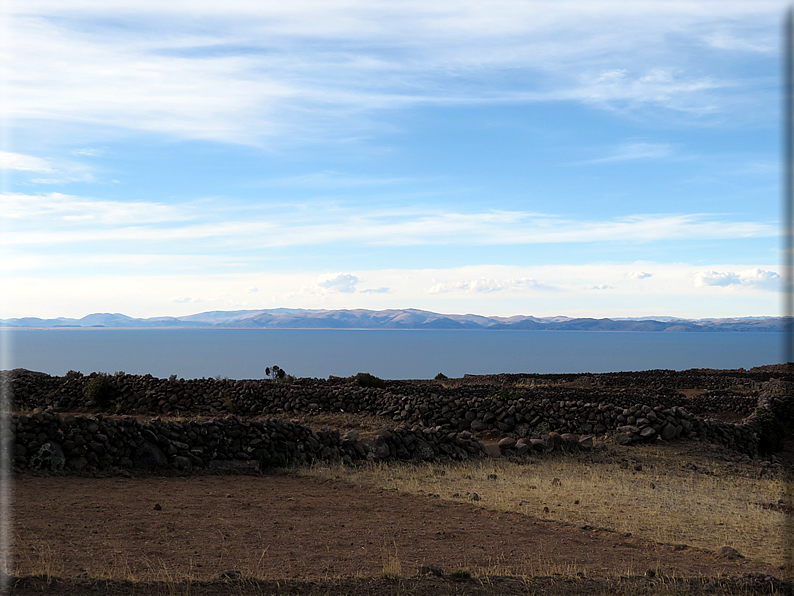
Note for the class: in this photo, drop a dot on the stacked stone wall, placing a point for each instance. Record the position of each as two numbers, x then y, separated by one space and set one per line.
49 441
520 410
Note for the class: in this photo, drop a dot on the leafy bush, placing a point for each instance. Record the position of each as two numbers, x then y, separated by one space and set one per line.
99 390
441 377
367 380
73 374
772 432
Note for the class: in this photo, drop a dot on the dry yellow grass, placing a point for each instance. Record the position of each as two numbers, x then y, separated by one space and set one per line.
663 501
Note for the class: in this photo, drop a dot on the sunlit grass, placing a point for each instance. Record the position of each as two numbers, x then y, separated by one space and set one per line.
663 501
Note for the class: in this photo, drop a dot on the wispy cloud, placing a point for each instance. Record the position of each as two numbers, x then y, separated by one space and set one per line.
65 219
257 71
88 152
56 212
635 151
25 163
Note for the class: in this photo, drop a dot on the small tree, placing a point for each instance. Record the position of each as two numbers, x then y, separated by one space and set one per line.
275 373
99 390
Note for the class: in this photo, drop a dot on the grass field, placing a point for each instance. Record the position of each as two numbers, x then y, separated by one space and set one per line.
674 494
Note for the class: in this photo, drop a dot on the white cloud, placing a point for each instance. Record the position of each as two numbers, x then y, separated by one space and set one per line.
639 275
376 291
186 300
25 163
338 282
485 285
750 278
602 287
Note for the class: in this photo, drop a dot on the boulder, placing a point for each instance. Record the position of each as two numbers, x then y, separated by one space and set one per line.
668 432
648 433
538 445
507 443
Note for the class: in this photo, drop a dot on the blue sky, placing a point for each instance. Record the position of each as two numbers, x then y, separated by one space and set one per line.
547 158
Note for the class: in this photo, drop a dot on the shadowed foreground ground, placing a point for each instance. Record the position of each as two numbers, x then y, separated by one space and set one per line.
281 527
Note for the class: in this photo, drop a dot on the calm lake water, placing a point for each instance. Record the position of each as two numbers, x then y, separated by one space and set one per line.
244 354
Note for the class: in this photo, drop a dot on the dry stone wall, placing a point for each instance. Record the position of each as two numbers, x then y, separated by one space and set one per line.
520 411
49 441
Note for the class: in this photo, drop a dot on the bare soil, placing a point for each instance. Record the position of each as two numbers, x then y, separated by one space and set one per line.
281 526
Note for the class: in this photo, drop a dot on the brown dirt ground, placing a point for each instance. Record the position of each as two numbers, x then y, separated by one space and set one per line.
281 526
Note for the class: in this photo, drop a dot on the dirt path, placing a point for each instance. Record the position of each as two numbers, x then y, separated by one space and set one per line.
286 527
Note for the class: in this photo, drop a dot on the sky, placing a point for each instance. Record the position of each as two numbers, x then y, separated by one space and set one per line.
580 158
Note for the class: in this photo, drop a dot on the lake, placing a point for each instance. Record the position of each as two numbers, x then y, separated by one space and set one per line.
391 354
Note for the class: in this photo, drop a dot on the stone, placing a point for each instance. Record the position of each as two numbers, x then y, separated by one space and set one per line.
507 443
474 497
555 440
648 433
181 463
628 428
570 439
624 438
727 552
149 456
49 457
478 426
492 450
77 463
430 570
668 432
586 442
522 430
538 444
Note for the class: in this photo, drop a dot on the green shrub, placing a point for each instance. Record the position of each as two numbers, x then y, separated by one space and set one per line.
503 394
367 380
441 377
771 433
99 390
73 374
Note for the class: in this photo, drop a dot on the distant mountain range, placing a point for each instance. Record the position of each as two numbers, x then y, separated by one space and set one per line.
295 318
